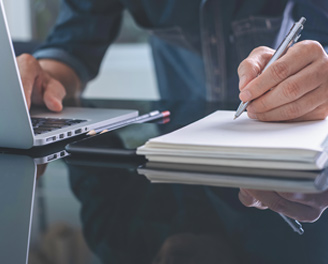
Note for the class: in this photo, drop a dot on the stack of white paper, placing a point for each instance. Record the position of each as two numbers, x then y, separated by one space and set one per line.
219 140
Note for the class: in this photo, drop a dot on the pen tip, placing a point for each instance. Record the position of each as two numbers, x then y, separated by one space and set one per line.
234 118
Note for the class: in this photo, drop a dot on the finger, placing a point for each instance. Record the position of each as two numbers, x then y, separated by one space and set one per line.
29 70
54 93
296 58
290 89
37 93
293 110
278 204
319 113
318 200
249 201
40 170
252 66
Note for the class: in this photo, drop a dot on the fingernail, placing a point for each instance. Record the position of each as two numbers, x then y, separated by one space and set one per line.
245 95
55 105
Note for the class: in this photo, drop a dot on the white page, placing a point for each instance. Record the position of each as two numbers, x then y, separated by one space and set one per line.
220 130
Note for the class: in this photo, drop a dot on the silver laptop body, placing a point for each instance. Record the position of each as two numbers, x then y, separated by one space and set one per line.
16 130
17 192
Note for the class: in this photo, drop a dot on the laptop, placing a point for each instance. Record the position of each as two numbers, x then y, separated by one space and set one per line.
21 129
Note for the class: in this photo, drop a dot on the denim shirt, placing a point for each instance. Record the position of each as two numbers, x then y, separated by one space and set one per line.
197 45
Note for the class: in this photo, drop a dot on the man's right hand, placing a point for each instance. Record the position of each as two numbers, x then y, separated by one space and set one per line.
47 82
304 207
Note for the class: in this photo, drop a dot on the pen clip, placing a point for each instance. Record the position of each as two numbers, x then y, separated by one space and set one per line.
300 26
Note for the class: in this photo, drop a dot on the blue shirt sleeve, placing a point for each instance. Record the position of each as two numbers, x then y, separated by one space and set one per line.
82 34
316 13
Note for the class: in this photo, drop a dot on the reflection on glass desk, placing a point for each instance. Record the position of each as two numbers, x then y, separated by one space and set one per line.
17 183
127 219
92 210
261 179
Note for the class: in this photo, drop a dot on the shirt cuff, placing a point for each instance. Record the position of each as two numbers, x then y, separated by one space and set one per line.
67 58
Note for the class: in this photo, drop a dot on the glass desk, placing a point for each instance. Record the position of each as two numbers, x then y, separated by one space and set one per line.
93 209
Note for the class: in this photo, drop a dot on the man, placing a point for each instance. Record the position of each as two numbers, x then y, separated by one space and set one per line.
197 47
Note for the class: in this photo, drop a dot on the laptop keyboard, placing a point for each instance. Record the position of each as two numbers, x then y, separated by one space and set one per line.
44 125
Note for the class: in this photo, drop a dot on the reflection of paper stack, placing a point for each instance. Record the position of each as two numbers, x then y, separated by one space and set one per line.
218 140
261 179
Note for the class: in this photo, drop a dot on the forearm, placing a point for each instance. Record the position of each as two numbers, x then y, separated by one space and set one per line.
82 34
64 74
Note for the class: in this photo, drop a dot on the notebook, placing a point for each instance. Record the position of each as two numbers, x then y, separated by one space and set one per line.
219 140
16 129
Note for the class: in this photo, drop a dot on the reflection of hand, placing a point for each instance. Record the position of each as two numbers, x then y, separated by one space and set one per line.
40 170
196 248
298 83
302 207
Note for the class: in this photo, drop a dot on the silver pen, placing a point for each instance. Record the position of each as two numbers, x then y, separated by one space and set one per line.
289 40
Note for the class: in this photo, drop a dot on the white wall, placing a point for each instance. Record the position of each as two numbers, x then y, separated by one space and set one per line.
19 20
127 72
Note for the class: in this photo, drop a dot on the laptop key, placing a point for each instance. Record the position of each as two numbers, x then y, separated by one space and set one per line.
43 125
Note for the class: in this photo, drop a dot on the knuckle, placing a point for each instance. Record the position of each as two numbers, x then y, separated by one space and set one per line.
248 65
291 90
311 46
26 57
244 64
315 46
261 49
277 205
280 71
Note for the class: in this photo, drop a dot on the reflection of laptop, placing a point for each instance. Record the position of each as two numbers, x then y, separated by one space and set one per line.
42 155
17 190
16 130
